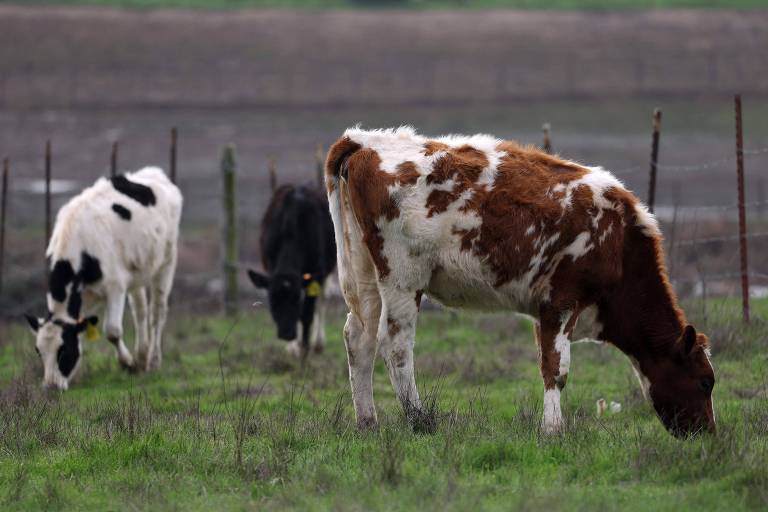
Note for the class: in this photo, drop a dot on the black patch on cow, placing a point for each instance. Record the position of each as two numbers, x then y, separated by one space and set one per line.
90 269
69 351
123 212
75 303
61 275
136 191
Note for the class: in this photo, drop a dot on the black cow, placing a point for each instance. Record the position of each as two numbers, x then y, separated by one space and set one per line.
298 252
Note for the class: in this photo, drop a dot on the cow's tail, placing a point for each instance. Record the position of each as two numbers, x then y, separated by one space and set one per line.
336 175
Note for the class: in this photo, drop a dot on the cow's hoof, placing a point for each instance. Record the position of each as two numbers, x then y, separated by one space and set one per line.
318 349
131 368
294 349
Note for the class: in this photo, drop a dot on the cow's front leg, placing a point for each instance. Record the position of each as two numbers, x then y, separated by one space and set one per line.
396 335
553 334
113 328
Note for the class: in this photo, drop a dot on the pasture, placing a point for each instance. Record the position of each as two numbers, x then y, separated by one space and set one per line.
232 422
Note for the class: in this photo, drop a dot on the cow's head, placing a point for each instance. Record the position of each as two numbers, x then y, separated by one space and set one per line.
58 343
285 291
681 386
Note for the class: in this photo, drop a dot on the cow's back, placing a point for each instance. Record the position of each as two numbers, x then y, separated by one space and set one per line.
480 222
129 223
297 219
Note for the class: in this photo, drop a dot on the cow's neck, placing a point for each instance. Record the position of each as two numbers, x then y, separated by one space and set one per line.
641 316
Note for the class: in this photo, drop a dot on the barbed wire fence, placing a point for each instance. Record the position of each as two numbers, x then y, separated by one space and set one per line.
700 239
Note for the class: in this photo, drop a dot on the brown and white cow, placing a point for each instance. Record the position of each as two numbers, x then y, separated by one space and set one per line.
476 222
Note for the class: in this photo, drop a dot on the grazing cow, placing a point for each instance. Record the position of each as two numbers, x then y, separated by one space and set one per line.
477 222
116 238
298 252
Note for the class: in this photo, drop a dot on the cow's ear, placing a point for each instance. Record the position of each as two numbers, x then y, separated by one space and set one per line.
258 280
688 339
33 322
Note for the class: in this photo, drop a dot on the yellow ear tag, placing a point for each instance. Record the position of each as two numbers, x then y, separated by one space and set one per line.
92 332
313 289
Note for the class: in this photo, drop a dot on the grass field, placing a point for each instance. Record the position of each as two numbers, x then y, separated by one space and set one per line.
410 4
232 423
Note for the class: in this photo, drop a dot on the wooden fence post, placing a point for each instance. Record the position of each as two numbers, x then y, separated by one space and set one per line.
547 140
174 143
113 160
3 202
228 168
320 167
654 158
272 174
742 213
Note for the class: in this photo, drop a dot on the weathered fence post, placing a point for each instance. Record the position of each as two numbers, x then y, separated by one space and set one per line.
654 158
319 167
174 142
47 202
113 160
3 201
742 213
547 140
228 168
272 174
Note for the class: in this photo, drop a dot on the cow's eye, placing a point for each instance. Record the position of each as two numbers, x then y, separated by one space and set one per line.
707 384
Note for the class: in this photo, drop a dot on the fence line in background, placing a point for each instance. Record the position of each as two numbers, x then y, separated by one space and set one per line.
228 168
742 213
272 170
48 223
654 158
320 166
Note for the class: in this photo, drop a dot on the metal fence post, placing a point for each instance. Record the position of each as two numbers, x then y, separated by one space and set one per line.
48 223
3 199
742 213
174 142
319 166
654 158
272 174
547 140
113 160
228 168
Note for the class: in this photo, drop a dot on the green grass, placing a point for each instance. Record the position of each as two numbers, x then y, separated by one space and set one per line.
410 4
236 425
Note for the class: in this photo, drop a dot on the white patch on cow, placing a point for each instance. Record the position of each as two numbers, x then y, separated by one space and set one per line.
530 230
563 344
605 234
580 246
553 416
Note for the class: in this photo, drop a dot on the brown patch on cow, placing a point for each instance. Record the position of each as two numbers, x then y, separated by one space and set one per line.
463 165
432 147
393 327
406 173
336 160
467 237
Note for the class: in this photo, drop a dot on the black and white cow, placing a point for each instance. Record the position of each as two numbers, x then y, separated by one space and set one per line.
116 239
298 252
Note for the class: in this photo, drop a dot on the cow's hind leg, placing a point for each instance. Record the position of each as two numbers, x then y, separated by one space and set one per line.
113 327
317 337
396 335
553 335
160 289
138 301
360 341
